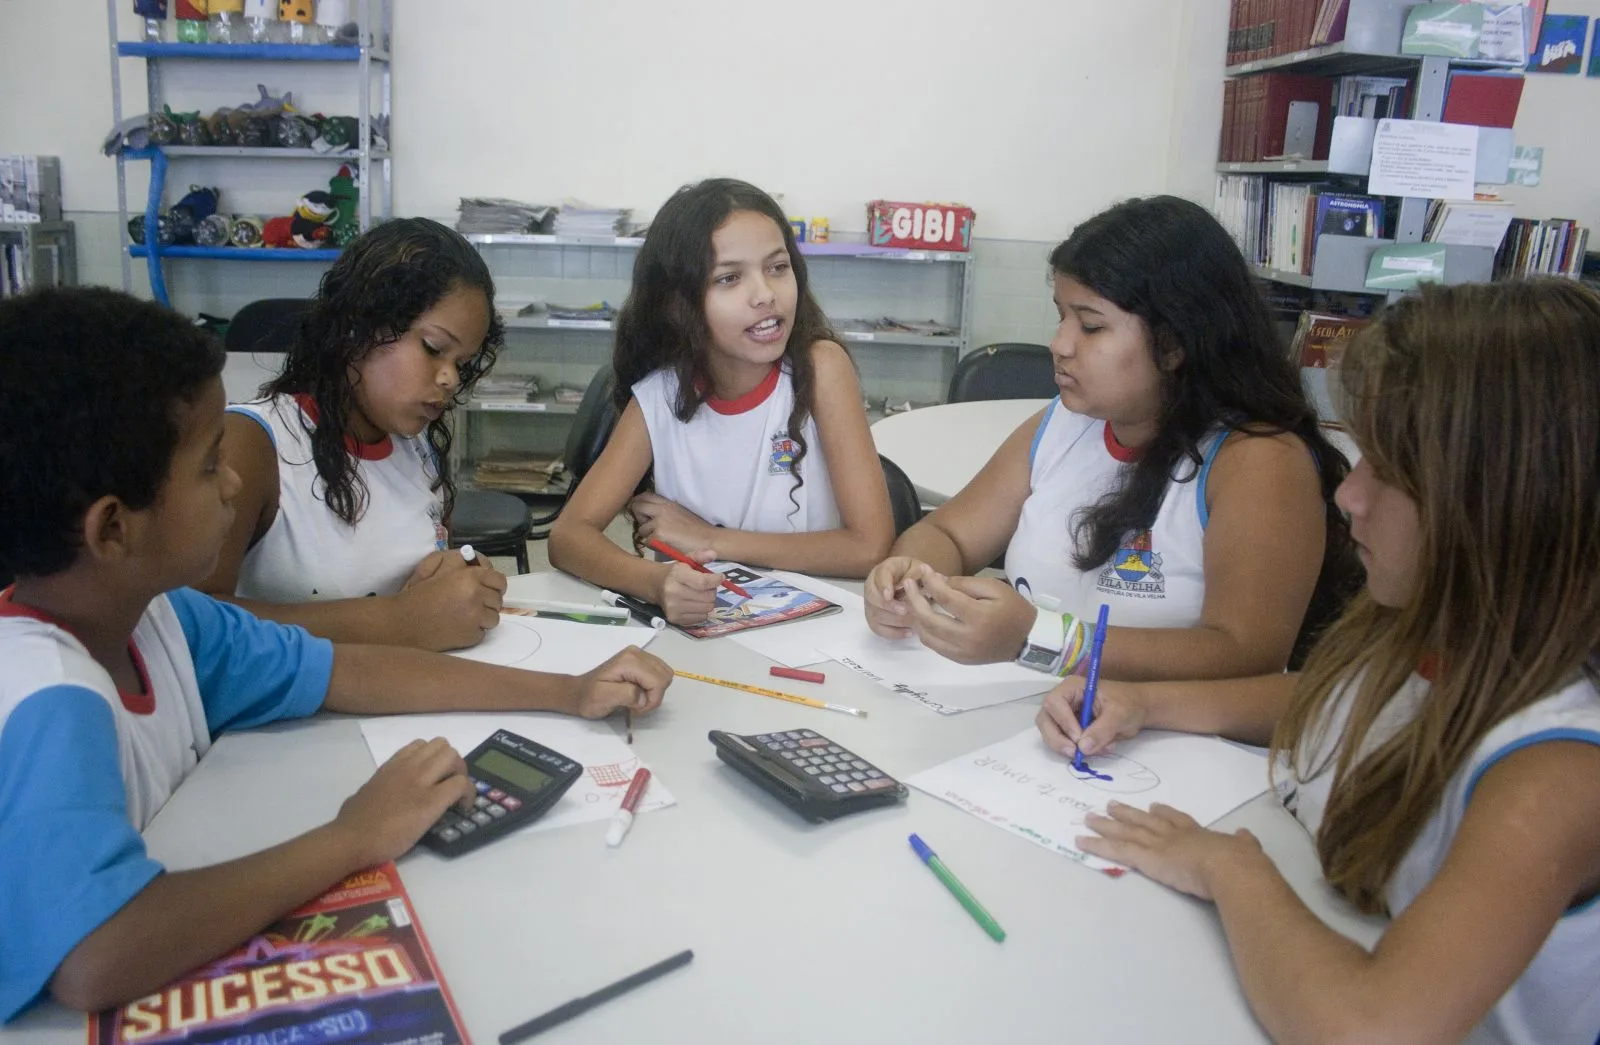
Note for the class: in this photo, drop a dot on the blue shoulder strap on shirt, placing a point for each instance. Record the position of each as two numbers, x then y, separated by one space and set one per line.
1038 436
258 419
1206 460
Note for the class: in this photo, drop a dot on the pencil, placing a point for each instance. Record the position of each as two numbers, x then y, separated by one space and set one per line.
672 553
775 694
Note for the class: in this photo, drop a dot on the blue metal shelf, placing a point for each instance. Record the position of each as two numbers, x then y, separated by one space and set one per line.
237 253
246 52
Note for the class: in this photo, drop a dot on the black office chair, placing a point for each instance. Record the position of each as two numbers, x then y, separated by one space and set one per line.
1008 371
494 523
903 499
591 428
268 325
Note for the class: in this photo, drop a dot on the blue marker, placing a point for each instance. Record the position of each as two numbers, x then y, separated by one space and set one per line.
1086 714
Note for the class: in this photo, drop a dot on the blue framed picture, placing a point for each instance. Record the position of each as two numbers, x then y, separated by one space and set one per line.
1560 47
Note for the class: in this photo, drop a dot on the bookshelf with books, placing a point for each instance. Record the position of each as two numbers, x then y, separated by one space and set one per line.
1308 83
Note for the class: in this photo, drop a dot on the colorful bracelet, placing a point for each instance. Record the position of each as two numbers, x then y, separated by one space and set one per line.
1078 637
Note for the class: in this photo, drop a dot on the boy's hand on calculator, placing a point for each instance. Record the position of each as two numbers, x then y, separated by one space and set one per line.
404 798
633 680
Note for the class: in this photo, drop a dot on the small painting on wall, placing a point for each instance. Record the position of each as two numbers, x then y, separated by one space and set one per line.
1560 48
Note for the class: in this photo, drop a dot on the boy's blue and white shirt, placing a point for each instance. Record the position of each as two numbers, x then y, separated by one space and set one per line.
84 768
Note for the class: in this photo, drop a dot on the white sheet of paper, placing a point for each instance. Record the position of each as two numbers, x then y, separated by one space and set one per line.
608 762
562 647
1414 158
1474 224
1020 785
915 671
800 643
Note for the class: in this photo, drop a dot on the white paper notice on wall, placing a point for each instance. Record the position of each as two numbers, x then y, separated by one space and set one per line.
1430 160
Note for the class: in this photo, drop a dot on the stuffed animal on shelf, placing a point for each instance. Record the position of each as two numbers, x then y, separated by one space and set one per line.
308 227
346 223
275 232
186 215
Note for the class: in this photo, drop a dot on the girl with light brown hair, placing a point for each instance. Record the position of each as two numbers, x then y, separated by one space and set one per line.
1443 742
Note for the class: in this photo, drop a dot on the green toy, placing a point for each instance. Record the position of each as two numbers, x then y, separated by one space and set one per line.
346 223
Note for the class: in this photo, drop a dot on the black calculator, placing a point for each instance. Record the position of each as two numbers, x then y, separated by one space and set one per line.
808 772
517 781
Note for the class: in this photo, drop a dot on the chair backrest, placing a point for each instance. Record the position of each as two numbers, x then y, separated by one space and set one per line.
903 499
591 426
1014 370
268 325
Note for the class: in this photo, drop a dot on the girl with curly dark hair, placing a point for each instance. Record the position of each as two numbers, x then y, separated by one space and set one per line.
345 462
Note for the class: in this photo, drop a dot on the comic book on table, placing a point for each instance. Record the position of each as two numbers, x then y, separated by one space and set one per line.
351 966
771 601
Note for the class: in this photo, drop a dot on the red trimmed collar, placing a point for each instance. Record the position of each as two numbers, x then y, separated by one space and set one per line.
1430 665
143 703
355 447
1125 454
751 399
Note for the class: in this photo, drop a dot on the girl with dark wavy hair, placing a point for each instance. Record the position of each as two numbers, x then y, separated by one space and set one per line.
1442 745
1180 478
346 461
733 389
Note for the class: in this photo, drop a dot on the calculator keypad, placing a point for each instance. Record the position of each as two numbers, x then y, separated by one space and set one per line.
489 805
837 769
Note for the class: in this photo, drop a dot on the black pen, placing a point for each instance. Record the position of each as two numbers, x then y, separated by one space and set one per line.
643 611
578 1006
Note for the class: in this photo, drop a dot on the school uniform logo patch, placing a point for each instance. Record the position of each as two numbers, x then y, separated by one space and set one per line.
781 460
1135 570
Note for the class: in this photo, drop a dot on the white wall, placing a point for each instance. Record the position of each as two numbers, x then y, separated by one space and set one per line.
1556 113
1035 113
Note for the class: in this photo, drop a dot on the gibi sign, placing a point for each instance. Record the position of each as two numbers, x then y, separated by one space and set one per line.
919 226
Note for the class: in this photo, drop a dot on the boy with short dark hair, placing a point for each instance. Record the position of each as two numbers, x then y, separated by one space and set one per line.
116 678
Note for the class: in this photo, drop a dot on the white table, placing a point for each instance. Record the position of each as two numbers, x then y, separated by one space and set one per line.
942 447
802 933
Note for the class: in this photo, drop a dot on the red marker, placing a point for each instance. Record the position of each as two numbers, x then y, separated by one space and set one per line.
630 801
800 674
672 553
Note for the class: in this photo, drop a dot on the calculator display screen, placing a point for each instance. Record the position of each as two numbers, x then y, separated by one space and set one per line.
517 772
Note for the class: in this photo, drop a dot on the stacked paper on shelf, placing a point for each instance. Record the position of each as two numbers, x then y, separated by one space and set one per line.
490 215
508 388
515 472
577 218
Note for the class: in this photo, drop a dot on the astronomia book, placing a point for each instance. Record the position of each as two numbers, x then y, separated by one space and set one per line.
352 966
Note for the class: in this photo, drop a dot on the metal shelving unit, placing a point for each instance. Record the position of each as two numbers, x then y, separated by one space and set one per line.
850 280
372 56
37 254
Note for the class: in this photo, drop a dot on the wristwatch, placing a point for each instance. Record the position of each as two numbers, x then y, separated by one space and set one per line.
1046 640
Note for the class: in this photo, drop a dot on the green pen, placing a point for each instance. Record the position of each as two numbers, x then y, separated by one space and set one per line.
959 891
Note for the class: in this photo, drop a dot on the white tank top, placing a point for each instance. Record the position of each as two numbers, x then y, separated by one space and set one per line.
310 553
732 463
1156 579
1556 1000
